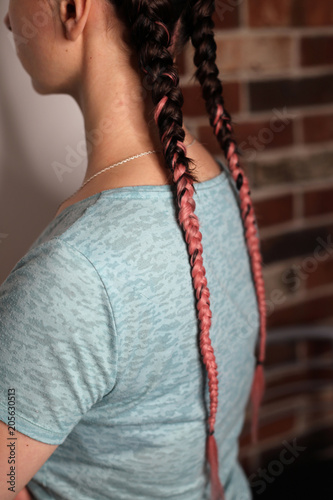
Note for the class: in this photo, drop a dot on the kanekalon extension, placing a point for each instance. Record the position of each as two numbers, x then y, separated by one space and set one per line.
252 240
207 74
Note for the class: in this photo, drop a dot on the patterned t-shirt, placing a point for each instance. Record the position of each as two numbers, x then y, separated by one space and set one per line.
100 340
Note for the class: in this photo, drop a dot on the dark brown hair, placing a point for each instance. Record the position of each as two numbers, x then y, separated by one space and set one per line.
154 25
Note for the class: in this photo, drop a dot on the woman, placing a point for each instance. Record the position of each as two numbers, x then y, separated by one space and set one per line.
115 337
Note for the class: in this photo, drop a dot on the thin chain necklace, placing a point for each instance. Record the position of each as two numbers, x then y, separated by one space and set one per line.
115 165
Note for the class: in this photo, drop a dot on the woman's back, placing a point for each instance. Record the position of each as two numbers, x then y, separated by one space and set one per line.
120 376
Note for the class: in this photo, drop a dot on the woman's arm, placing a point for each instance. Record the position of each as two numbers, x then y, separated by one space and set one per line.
31 455
24 495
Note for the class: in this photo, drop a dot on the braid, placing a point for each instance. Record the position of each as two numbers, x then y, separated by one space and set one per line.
151 34
207 74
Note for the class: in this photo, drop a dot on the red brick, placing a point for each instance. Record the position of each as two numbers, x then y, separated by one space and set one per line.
318 128
207 138
194 104
322 273
291 92
309 311
245 438
305 375
296 243
257 53
254 53
229 54
317 50
283 388
318 202
277 354
258 136
320 406
293 169
284 384
274 210
312 13
231 94
226 16
269 13
276 427
252 137
319 348
290 12
318 414
180 63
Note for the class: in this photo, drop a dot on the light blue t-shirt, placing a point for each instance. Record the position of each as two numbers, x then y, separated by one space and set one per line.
100 340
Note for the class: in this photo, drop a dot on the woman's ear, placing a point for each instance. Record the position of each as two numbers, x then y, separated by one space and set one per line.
74 15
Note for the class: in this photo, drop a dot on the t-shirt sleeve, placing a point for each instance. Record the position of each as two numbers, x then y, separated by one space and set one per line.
57 341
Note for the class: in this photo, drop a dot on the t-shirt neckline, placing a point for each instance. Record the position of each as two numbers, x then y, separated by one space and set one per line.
148 188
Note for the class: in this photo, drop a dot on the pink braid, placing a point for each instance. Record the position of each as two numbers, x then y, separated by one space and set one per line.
202 37
190 223
252 240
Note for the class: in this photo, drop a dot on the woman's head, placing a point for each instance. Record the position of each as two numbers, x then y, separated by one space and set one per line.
53 38
50 38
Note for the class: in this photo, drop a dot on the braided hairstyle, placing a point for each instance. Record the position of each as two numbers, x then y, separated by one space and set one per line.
207 73
154 25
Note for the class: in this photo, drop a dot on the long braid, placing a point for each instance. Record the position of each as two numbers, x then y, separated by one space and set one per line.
151 34
207 74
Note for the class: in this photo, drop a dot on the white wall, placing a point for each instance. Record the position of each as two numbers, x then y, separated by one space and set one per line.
35 131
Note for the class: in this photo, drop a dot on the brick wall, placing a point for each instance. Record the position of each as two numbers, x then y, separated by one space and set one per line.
276 63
